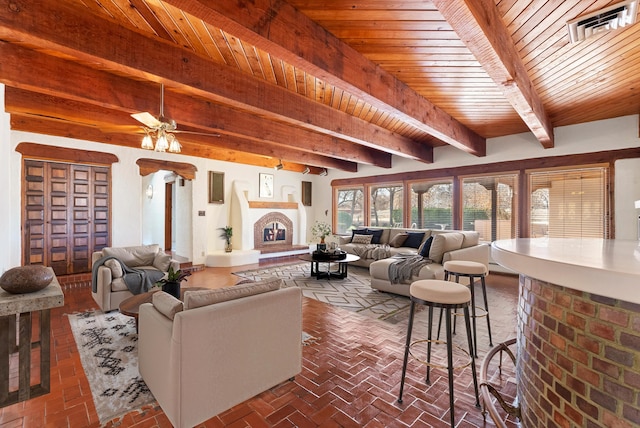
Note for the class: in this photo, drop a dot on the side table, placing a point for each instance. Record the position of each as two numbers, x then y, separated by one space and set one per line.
22 308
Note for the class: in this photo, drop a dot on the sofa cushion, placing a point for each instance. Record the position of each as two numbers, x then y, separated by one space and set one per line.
377 234
398 240
166 304
115 267
355 232
426 247
162 261
118 284
141 255
471 239
198 298
362 239
444 242
414 239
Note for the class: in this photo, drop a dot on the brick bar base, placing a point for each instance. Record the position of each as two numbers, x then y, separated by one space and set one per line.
578 358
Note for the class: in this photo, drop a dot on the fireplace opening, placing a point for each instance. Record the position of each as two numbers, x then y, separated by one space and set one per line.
274 232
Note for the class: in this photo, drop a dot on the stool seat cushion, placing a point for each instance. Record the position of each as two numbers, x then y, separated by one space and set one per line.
443 292
465 267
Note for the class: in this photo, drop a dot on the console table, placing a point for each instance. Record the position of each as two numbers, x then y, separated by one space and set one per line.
22 308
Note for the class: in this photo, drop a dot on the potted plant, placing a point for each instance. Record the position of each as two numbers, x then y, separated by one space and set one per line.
171 283
321 230
226 234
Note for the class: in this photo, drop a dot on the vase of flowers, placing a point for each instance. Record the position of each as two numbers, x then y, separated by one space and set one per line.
321 230
171 283
226 234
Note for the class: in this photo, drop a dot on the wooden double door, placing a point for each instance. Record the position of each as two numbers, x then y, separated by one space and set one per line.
66 214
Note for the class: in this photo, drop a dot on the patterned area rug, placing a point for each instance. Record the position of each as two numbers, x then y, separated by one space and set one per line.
108 350
353 293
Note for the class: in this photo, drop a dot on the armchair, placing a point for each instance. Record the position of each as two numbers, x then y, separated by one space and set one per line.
109 289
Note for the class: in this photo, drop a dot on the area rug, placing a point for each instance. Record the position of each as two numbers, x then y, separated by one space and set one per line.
353 293
107 344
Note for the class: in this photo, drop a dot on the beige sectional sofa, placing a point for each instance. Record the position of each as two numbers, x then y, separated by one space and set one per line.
219 347
445 245
108 286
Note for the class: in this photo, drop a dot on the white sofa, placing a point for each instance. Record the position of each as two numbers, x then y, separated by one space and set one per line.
446 245
110 288
203 357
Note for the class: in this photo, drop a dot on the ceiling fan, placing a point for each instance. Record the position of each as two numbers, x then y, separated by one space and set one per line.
159 131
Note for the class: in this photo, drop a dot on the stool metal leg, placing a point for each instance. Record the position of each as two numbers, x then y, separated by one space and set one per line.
406 349
450 364
429 342
472 286
473 360
486 307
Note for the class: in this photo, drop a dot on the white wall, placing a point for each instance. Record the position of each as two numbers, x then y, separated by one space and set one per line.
128 227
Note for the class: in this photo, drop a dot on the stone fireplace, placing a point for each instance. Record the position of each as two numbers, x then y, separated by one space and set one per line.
273 229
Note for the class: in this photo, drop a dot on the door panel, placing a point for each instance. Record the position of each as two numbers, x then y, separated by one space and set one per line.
66 214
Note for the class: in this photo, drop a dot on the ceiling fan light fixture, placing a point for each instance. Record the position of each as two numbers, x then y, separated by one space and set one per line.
147 142
174 145
161 143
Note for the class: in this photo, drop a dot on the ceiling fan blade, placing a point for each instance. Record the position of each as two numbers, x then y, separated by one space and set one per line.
122 128
208 134
147 119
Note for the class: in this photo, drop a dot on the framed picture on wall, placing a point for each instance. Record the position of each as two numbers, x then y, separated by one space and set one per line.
266 185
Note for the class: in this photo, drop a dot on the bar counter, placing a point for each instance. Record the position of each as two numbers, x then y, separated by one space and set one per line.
578 340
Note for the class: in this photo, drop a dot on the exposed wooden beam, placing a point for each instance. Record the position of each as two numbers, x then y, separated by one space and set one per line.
228 148
202 115
76 32
279 28
479 25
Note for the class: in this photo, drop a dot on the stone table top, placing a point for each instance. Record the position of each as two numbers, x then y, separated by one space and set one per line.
49 297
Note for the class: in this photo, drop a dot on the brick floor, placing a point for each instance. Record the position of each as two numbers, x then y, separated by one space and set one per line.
350 377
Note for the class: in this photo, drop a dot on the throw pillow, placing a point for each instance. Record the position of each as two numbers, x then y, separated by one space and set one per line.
355 232
198 298
377 234
426 247
162 261
166 304
362 239
115 268
398 240
443 243
414 239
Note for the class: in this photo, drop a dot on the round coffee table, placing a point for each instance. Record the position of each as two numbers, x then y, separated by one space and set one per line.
131 306
340 273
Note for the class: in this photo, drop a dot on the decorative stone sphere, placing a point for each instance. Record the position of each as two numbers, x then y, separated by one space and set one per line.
26 279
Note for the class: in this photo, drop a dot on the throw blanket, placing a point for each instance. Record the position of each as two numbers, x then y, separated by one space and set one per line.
372 251
138 280
406 267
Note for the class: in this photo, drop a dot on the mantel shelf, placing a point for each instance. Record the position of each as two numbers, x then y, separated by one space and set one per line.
274 205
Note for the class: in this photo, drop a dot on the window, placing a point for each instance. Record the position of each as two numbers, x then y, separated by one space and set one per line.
431 204
489 206
569 203
350 210
386 205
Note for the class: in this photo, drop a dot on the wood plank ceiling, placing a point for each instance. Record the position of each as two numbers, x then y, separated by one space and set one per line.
312 83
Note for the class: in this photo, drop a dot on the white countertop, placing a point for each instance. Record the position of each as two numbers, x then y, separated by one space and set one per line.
607 267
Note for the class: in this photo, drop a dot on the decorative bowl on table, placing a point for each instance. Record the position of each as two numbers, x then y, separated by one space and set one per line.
26 279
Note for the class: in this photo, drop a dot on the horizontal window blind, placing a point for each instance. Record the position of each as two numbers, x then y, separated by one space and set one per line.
569 203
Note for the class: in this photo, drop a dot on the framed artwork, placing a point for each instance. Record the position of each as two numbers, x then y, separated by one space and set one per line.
216 187
266 185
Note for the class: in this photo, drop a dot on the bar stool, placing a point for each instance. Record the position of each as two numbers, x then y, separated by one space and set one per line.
447 296
470 270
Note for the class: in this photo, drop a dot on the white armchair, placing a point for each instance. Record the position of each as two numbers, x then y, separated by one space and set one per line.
109 288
